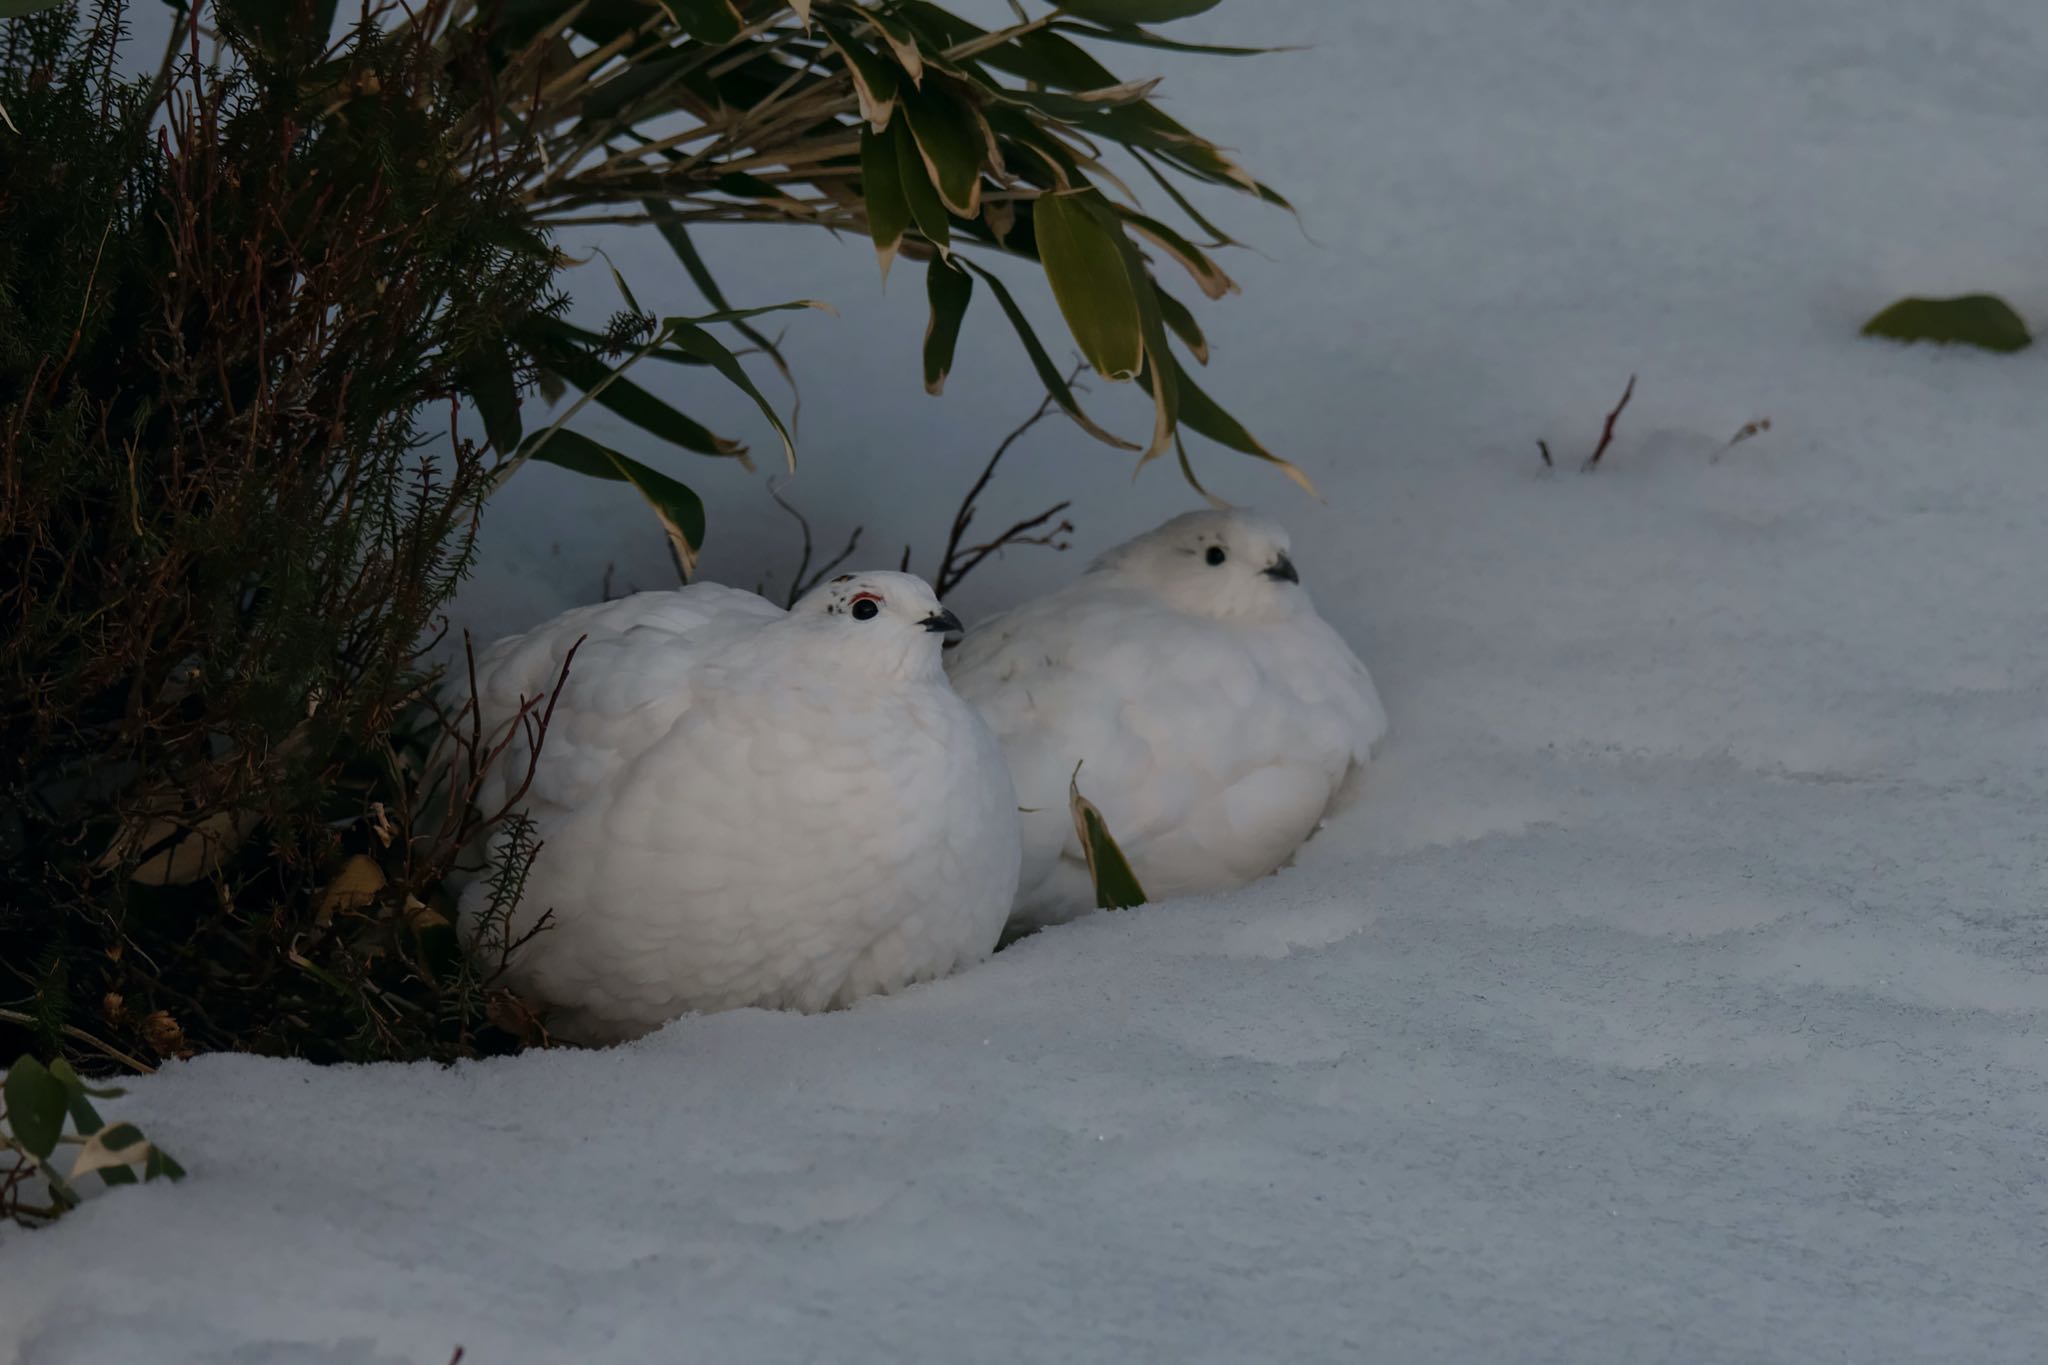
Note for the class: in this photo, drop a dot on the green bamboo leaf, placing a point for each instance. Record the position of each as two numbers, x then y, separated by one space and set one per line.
881 188
678 238
1137 11
1045 57
159 1164
593 376
952 145
680 511
75 1084
1158 375
15 9
614 96
926 210
901 40
1048 373
496 395
1116 885
35 1106
1207 275
1199 412
1983 320
1183 325
948 288
689 337
1138 37
1217 236
84 1118
708 21
1085 266
874 80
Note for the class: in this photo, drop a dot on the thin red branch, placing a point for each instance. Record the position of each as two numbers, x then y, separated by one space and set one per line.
1607 432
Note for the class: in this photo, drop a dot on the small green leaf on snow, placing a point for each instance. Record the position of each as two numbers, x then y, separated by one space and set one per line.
1983 320
1116 886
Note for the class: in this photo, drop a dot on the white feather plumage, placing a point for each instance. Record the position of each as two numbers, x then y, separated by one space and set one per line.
745 806
1216 717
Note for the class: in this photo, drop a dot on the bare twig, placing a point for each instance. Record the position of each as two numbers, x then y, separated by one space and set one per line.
798 583
958 562
70 1031
1749 429
1607 432
1543 449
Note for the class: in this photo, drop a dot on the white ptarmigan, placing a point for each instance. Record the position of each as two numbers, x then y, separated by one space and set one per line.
1215 715
745 806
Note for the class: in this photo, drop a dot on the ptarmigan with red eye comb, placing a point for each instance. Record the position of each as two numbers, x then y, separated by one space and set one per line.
745 806
1215 715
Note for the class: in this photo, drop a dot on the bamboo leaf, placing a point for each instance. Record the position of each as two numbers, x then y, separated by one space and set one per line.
1159 374
900 39
881 187
15 9
708 21
1085 266
1137 11
496 396
1200 413
693 339
926 210
948 288
1982 320
951 144
35 1106
1048 373
874 80
1208 276
1116 885
117 1144
1183 325
590 374
678 238
1138 37
680 511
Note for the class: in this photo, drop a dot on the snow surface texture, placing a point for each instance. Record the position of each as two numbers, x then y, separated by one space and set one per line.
1675 991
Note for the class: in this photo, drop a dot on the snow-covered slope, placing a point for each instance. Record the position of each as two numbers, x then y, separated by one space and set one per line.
1678 989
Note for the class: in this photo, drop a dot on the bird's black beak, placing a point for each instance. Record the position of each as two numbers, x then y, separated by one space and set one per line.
942 620
1283 568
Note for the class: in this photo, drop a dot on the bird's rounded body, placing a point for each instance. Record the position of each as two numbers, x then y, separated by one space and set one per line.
742 807
1215 718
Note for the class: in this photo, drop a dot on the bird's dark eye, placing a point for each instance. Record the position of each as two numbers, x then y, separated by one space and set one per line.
1216 555
866 608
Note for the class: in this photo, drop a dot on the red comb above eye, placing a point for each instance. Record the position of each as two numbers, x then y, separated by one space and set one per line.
873 597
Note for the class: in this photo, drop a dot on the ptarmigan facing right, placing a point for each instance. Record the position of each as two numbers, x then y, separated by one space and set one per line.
1214 714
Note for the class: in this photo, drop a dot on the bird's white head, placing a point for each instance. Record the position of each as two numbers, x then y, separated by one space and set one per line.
881 623
1227 565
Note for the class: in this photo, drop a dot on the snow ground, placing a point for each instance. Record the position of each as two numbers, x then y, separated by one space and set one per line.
1675 992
